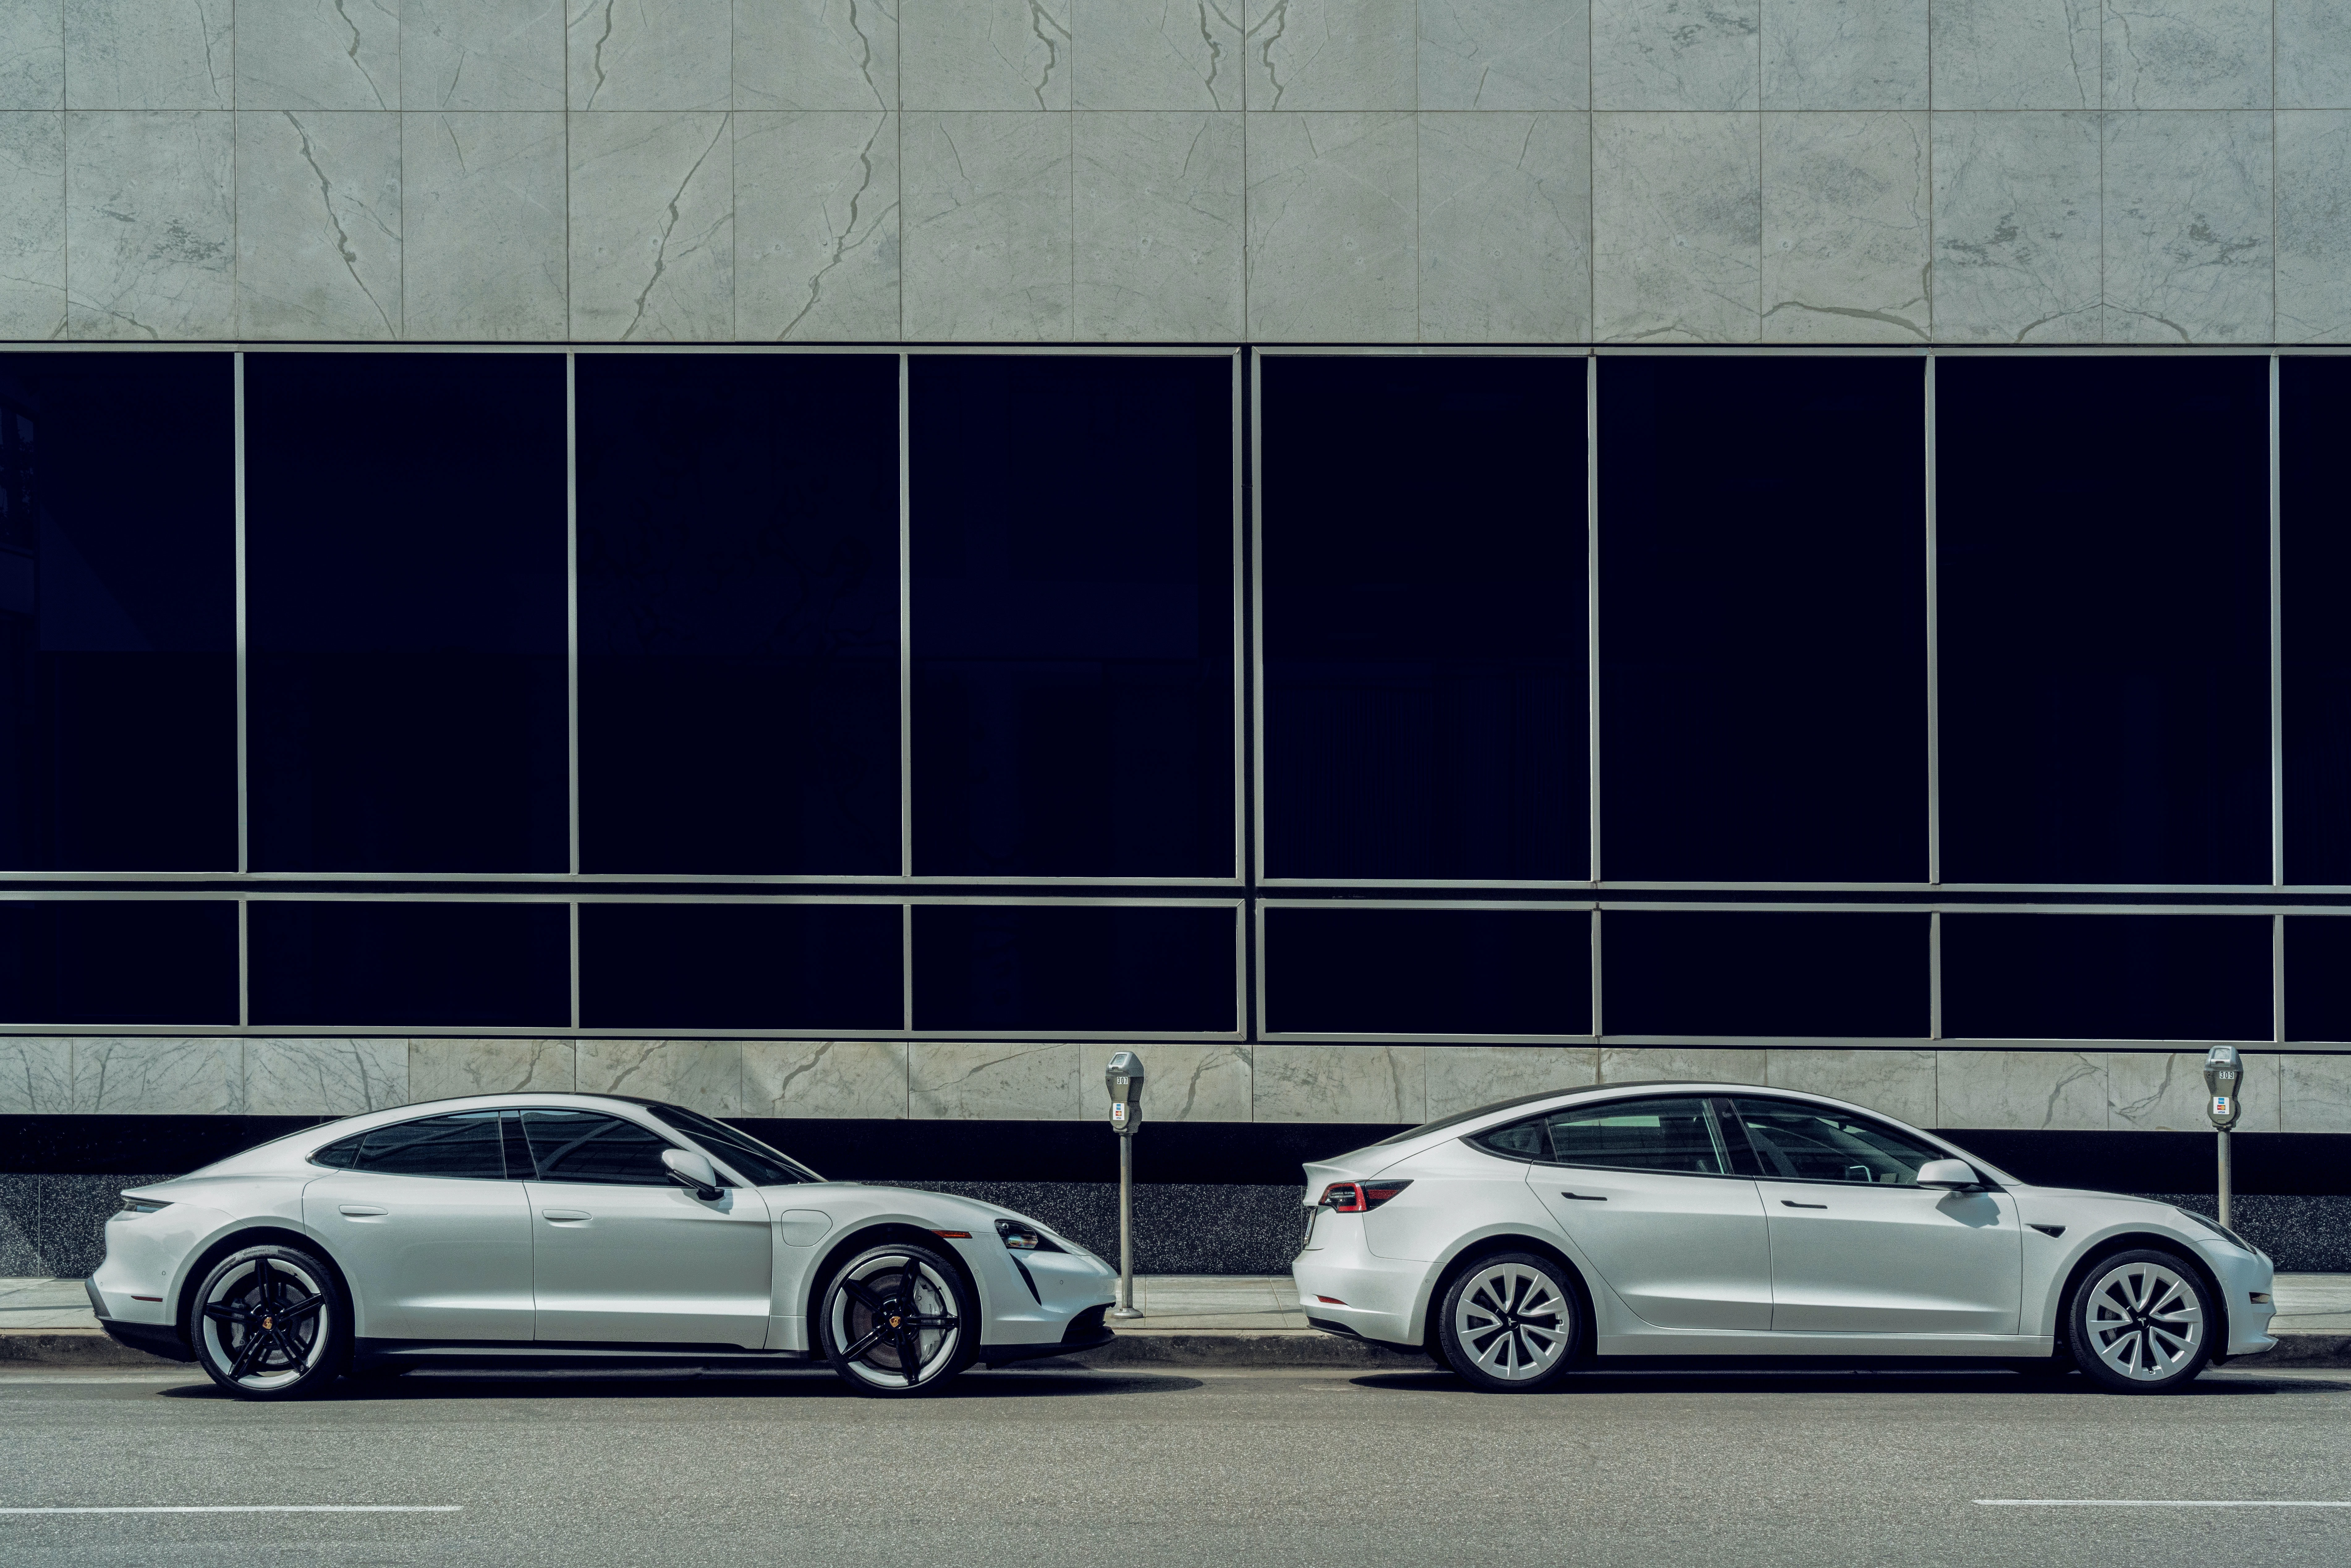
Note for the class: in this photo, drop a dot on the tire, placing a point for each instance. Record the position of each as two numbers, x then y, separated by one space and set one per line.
879 1346
1510 1323
271 1322
2141 1322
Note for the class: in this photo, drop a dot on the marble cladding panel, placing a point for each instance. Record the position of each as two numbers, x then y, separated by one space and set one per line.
2187 225
1677 1064
2187 54
35 1076
150 54
653 226
1184 1083
452 1068
159 1077
2314 226
1463 1077
317 224
1331 53
996 1081
2314 54
2016 54
816 54
2314 1094
1157 54
1505 228
151 225
1677 228
1156 239
33 55
1505 54
324 1077
1676 54
1900 1084
984 54
704 1075
2054 1090
1845 240
32 225
858 1079
1333 222
481 54
1339 1083
2164 1090
483 225
816 225
317 53
650 54
985 226
1844 54
2017 228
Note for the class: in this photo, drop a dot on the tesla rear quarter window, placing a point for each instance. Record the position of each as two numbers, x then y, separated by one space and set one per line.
1637 1134
1810 1142
462 1145
583 1147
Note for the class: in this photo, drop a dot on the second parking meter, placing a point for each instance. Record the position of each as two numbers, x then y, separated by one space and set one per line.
2224 1073
1123 1077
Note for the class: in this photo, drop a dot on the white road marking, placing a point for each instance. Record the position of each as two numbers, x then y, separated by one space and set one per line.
266 1507
2145 1502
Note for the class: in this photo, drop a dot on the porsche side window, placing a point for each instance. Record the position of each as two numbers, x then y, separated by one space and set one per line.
1666 1134
1814 1142
462 1145
586 1146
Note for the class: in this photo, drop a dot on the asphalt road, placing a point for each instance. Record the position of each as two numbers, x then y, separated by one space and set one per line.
1297 1468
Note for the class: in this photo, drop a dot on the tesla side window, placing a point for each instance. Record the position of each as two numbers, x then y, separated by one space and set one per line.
585 1146
1675 1135
1815 1143
465 1143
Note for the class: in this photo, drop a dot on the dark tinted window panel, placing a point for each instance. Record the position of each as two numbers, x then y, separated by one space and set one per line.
2103 603
406 613
2106 977
2318 977
2314 580
1429 971
118 612
1422 554
464 1144
118 962
1764 619
738 613
1698 972
741 965
1074 967
457 965
583 1147
1072 564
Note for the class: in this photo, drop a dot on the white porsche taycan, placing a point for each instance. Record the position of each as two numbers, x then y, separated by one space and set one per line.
577 1229
1516 1241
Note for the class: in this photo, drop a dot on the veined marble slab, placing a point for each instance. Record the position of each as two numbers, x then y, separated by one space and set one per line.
1683 1063
1505 228
984 54
991 1081
33 55
2187 54
317 53
481 54
651 54
451 1069
2016 54
816 227
1331 53
1182 1082
816 54
32 226
1157 54
1334 215
2314 1094
1676 227
318 199
653 226
1899 1083
150 225
324 1077
864 1078
1845 223
2314 226
2314 54
1339 1083
2017 228
2188 222
1505 54
2164 1090
1156 232
484 225
150 54
35 1076
159 1077
986 225
2058 1090
1463 1077
1676 54
704 1075
1844 54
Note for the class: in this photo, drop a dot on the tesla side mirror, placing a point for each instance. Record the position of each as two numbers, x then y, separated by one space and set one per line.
1953 1174
689 1169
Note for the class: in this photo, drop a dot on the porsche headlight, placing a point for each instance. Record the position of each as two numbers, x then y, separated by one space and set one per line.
1019 1237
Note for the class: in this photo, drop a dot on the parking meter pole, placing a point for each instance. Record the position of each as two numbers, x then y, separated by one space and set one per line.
2225 1182
1126 1229
2224 1074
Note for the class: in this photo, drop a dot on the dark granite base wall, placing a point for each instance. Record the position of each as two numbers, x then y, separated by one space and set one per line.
55 1225
2302 1235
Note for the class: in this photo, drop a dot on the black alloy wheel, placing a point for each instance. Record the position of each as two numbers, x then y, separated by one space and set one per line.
896 1322
271 1322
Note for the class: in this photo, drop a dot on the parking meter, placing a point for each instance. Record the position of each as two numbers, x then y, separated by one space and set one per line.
2224 1072
1123 1077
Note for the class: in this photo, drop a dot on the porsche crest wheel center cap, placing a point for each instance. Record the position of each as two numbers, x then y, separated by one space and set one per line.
893 1322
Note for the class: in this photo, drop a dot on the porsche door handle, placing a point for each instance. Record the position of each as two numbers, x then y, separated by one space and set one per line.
560 1215
1585 1197
1791 1203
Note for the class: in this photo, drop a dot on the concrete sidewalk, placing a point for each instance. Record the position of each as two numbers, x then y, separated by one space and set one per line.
1187 1319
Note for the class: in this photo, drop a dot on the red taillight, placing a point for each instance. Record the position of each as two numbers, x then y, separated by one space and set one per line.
1360 1197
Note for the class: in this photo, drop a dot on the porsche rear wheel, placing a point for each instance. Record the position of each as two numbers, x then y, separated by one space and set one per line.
271 1322
897 1319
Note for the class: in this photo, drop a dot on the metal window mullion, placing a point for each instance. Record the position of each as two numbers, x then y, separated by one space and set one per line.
1934 666
905 647
2277 978
2277 644
243 971
1935 973
1591 637
1255 867
906 966
1596 1020
244 857
574 907
571 644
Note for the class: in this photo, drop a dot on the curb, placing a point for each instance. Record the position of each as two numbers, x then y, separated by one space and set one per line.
71 1347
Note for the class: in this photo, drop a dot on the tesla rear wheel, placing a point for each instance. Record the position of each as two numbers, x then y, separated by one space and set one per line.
1510 1323
271 1322
897 1321
2141 1322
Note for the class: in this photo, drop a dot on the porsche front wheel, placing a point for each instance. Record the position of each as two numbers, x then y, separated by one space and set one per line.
897 1319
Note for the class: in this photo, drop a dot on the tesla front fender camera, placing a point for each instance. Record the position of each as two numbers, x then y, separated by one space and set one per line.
1516 1241
575 1230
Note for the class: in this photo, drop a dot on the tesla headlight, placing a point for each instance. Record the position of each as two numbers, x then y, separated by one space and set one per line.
143 1204
2214 1226
1024 1237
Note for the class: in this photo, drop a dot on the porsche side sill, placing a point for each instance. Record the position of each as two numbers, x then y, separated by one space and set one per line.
378 1353
1004 1355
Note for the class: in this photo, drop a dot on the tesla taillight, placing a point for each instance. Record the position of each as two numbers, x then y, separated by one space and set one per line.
1360 1197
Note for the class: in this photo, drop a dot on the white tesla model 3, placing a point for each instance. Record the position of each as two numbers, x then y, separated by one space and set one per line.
1722 1219
578 1229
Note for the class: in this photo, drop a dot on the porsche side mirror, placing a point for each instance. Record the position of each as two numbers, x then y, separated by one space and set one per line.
690 1170
1952 1173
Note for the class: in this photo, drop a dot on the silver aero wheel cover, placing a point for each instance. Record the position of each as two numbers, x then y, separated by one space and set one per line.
1512 1321
2143 1321
896 1322
264 1323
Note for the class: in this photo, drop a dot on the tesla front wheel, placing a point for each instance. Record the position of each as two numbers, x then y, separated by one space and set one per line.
2141 1322
1510 1323
896 1322
269 1322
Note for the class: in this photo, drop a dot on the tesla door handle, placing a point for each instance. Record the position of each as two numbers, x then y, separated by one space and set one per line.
1585 1197
563 1214
1791 1203
363 1210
